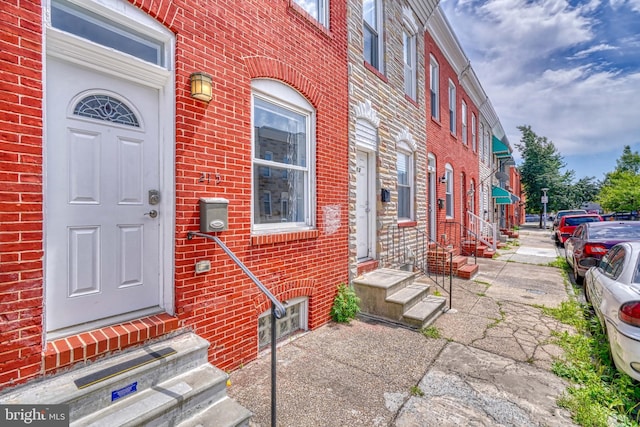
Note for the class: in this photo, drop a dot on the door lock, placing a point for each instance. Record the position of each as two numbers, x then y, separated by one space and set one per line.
154 197
152 213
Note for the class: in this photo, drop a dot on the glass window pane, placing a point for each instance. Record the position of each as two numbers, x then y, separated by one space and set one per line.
291 209
281 132
83 23
310 6
370 12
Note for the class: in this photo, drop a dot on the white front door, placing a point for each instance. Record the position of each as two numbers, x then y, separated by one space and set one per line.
102 227
432 206
363 210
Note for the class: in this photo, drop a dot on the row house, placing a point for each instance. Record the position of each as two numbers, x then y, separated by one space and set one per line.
128 125
166 167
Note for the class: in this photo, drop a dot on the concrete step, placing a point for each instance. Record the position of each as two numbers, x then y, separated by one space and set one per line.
225 412
425 312
387 280
402 300
158 384
165 403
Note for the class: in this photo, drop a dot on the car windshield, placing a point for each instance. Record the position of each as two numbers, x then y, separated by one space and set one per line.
565 213
580 220
627 232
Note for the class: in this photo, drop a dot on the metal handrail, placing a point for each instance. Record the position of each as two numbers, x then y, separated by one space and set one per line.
277 312
419 253
487 232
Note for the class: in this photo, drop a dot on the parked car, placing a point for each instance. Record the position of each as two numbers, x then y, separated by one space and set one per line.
532 217
568 224
591 240
560 214
614 291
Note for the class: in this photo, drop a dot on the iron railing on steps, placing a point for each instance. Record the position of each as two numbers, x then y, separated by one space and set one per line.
457 235
277 312
409 248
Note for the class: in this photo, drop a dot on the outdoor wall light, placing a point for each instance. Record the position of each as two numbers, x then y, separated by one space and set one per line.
442 179
201 86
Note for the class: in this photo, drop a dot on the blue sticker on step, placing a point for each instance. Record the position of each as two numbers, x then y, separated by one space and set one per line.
124 391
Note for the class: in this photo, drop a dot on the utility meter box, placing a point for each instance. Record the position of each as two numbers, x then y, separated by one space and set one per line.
213 214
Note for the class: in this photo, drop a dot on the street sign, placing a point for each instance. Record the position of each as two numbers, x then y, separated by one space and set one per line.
545 199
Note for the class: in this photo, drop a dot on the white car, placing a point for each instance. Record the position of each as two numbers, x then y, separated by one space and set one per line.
613 287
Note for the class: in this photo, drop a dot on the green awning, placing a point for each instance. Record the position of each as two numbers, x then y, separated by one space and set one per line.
502 196
500 149
499 192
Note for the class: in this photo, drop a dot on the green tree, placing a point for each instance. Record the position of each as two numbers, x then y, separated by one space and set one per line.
620 191
585 190
629 161
541 168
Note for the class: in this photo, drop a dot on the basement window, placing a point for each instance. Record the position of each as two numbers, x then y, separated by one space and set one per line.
293 323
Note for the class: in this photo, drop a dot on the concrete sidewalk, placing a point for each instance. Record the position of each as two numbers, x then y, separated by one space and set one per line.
489 368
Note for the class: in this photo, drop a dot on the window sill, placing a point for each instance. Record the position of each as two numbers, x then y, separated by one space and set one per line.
293 6
411 101
407 223
282 237
375 71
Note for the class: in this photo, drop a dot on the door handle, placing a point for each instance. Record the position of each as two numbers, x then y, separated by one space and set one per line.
152 213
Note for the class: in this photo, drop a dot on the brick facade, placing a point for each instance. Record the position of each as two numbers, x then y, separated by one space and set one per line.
448 148
212 140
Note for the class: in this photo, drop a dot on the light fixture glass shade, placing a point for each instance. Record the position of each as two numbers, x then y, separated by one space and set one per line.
201 86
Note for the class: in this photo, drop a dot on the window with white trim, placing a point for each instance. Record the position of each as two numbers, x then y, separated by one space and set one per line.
474 144
452 107
434 87
448 172
409 41
74 19
372 29
482 142
405 168
294 321
283 157
318 9
463 118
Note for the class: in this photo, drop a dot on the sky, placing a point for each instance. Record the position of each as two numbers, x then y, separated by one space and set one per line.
569 69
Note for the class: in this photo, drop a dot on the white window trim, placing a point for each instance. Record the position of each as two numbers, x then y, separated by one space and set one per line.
323 11
410 67
379 32
404 148
452 107
463 118
434 87
283 95
474 134
449 202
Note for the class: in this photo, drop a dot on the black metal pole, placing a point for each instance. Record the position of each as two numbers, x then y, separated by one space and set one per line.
450 280
274 359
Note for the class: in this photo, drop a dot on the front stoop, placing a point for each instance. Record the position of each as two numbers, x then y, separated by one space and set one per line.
467 271
169 382
394 295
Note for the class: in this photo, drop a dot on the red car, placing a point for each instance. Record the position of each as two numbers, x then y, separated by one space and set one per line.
588 244
568 224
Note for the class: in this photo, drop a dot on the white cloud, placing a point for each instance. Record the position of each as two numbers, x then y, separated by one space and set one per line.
533 60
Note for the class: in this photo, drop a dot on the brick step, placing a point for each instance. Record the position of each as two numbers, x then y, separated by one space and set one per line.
467 271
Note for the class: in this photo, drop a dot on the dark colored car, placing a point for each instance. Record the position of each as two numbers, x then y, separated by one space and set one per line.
568 224
591 240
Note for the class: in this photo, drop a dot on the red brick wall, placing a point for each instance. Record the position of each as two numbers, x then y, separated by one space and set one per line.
21 256
447 147
234 41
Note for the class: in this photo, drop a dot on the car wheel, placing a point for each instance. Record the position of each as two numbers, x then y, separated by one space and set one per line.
579 280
